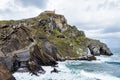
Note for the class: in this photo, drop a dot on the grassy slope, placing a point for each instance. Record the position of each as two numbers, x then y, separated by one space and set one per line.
68 46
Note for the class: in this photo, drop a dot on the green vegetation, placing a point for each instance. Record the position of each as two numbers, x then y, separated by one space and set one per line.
43 16
73 44
7 22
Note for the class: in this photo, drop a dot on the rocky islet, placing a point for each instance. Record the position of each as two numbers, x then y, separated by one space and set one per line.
44 40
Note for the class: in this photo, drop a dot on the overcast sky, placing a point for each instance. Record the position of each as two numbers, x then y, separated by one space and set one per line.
98 18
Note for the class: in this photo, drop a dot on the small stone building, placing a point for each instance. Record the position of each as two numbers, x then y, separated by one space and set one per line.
50 12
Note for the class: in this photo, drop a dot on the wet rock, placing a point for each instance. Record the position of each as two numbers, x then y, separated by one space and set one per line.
55 71
90 58
34 68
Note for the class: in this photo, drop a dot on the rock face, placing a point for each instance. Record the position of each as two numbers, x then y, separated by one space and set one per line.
16 39
5 74
53 21
40 57
51 50
8 62
99 48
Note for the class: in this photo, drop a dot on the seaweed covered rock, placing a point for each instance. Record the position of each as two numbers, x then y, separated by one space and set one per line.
5 74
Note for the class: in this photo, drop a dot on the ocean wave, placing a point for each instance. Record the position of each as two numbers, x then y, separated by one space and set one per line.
98 76
103 58
85 71
113 63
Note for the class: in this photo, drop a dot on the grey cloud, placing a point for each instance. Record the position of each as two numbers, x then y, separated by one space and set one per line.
112 29
109 4
112 42
87 26
37 3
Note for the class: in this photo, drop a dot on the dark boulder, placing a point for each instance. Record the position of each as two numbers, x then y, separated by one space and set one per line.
34 68
87 57
55 71
91 57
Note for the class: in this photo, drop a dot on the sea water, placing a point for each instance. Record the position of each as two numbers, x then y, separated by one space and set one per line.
104 68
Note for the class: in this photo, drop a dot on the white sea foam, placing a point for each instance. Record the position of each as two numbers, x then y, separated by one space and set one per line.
64 74
103 58
101 76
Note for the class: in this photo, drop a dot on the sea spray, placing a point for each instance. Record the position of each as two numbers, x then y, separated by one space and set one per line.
103 68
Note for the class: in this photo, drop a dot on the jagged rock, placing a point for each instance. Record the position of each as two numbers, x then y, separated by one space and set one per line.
42 22
7 61
104 50
40 57
51 50
5 74
34 68
60 22
94 49
18 39
4 26
55 71
98 48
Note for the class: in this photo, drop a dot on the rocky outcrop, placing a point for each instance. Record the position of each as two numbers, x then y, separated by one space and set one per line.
40 57
98 48
5 74
17 39
53 21
50 49
8 62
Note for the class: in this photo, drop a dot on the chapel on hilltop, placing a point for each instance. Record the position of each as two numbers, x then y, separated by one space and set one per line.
50 12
